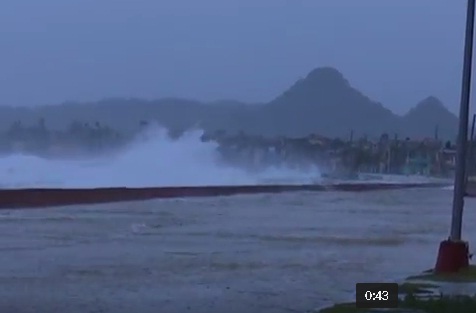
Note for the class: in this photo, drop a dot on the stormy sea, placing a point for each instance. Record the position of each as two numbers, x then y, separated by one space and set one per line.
290 252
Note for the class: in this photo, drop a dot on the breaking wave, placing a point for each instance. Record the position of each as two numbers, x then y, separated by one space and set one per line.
152 160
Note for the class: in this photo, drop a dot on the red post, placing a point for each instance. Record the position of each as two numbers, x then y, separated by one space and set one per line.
452 256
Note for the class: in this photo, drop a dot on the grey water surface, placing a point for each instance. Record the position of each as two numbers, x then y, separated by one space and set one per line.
264 253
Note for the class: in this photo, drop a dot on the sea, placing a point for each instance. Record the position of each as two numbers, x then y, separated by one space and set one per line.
290 252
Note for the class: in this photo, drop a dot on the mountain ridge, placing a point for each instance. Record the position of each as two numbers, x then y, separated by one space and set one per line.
323 102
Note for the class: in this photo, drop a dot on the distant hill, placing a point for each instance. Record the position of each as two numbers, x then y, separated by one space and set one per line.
323 102
326 103
430 117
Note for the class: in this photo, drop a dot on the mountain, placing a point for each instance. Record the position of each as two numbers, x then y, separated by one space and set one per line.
430 116
323 102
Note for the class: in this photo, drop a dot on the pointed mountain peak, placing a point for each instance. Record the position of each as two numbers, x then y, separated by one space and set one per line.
319 86
429 105
431 102
327 76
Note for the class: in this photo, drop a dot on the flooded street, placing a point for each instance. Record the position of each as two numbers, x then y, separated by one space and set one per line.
267 253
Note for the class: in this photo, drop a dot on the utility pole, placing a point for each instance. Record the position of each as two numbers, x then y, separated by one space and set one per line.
453 253
459 192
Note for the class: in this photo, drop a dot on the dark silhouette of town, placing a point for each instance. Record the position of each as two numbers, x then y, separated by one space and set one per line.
340 157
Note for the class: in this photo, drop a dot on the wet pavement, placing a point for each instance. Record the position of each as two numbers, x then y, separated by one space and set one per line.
263 253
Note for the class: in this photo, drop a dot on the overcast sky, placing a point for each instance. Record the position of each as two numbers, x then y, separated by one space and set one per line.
396 52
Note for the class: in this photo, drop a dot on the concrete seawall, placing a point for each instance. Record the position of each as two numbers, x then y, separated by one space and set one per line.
34 198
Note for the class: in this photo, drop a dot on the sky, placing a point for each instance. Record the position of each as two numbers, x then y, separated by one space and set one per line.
395 51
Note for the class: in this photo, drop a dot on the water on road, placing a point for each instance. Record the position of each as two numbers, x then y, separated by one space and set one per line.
263 253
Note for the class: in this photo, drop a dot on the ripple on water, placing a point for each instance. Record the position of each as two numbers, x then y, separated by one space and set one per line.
315 246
